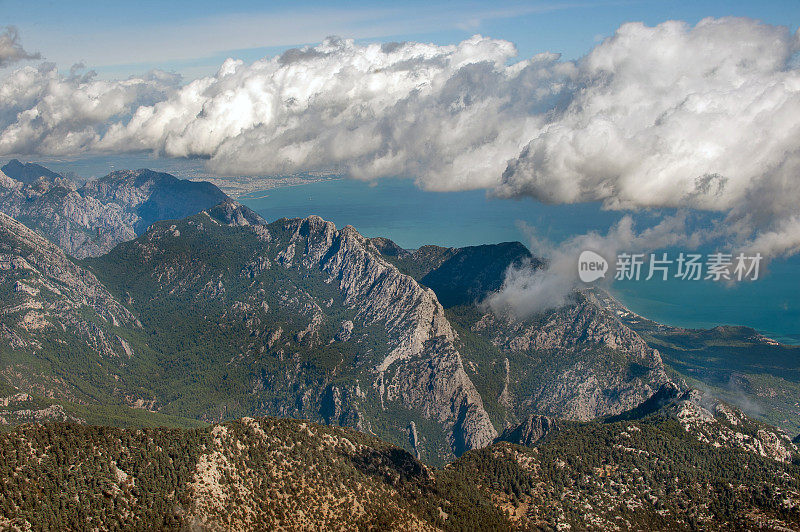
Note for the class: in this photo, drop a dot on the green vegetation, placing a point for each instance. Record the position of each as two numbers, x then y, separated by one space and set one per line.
636 474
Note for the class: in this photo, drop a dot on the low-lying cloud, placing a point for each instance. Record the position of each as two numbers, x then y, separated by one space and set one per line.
528 290
700 117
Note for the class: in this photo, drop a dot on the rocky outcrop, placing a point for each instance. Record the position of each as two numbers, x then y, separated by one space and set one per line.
50 290
530 431
231 213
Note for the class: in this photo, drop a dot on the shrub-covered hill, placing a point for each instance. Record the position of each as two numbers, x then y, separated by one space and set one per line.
248 474
266 474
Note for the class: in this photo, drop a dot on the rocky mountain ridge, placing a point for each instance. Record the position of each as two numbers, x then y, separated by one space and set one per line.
301 285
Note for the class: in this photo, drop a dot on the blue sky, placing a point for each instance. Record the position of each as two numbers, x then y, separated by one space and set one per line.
122 38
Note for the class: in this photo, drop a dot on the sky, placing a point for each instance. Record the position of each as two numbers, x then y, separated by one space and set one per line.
118 39
686 107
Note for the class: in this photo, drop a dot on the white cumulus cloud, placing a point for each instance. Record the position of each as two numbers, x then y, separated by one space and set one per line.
706 117
450 116
45 112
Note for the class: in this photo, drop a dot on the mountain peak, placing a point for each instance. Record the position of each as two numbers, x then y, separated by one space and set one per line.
27 172
90 220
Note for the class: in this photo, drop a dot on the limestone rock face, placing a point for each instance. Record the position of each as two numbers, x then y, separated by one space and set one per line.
586 362
530 431
422 370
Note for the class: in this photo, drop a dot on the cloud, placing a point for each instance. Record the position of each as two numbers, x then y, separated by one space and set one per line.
451 116
703 117
527 291
44 112
11 50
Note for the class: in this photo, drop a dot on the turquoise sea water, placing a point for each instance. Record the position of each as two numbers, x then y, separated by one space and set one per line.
411 217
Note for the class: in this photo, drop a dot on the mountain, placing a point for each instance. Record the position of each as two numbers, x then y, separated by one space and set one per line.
153 196
56 316
575 362
229 316
91 219
645 474
458 276
64 339
295 318
713 422
737 364
27 173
